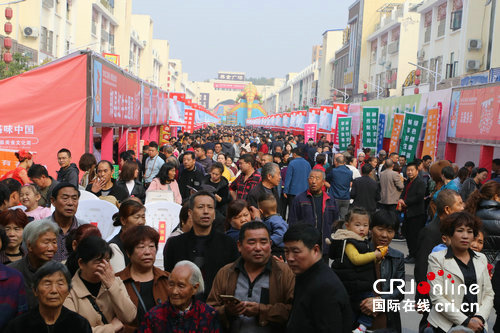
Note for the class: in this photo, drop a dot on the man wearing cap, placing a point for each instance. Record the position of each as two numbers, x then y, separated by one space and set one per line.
65 200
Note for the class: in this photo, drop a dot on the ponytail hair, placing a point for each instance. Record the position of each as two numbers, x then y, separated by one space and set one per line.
486 192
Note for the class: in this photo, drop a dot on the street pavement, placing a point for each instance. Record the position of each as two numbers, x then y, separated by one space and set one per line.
410 320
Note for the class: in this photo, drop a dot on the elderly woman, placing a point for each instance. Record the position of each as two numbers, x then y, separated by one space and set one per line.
383 227
13 222
146 284
40 238
181 312
464 268
51 285
131 213
12 292
97 294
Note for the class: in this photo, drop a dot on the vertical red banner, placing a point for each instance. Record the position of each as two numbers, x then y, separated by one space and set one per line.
162 230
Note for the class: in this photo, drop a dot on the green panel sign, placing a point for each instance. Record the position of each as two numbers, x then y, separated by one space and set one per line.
370 127
410 134
344 132
115 171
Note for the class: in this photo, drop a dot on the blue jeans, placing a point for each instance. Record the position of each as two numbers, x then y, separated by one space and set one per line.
362 318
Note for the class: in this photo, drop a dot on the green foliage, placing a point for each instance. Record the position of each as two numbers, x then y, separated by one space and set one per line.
261 81
19 64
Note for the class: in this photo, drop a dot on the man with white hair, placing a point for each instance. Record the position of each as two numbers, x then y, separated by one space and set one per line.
181 312
40 238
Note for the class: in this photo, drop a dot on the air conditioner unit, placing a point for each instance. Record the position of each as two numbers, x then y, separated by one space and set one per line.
30 32
474 44
393 47
388 65
473 64
420 54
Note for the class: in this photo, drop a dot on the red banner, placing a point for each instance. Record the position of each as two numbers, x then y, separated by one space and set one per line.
478 114
189 120
117 98
132 141
44 110
431 133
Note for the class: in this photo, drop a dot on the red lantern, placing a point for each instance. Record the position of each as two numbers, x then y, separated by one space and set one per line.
417 72
8 13
7 28
417 82
365 92
7 43
416 90
364 98
7 57
366 86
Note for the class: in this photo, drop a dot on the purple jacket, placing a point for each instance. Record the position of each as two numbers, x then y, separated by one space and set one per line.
12 295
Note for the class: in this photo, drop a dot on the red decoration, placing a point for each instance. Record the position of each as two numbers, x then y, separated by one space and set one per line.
416 90
7 28
7 57
7 43
366 86
417 82
8 13
417 72
364 98
365 92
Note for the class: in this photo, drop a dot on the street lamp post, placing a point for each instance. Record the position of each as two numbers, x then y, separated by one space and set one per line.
346 96
380 89
434 73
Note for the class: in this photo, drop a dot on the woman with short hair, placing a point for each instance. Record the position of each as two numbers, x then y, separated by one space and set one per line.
13 222
458 265
51 285
97 294
146 284
128 180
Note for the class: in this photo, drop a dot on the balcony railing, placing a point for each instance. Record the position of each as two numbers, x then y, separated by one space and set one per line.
109 5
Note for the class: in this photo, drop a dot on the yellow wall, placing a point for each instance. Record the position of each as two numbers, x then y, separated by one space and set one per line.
143 24
163 49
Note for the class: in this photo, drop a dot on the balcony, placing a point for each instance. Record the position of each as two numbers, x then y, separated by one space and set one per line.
109 5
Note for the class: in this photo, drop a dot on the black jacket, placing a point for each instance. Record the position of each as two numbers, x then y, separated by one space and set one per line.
489 213
193 178
68 175
257 191
320 302
495 282
366 193
138 191
222 190
32 321
219 250
428 238
228 148
415 198
116 191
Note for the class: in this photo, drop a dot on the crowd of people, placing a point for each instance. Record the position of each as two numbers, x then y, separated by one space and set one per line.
275 234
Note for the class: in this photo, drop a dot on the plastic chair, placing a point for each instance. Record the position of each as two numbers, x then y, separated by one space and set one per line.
164 217
86 195
159 195
99 213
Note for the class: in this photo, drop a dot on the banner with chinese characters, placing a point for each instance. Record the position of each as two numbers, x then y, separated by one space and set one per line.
335 125
370 127
164 135
132 141
431 133
310 132
411 132
344 131
117 98
189 117
44 110
380 133
325 119
396 132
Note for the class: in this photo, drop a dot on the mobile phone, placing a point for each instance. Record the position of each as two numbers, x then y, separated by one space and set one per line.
229 299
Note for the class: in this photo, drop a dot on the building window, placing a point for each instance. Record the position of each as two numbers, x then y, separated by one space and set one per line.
427 26
441 17
456 20
95 18
43 39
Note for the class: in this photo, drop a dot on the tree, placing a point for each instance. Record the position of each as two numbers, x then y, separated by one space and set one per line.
19 64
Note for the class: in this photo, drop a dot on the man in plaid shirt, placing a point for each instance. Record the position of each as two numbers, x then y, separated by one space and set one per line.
247 180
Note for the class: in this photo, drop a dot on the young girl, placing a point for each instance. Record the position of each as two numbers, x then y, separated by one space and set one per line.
29 197
354 262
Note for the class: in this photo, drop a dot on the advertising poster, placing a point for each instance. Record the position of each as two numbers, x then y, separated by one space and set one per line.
344 131
355 113
411 133
370 127
397 125
310 131
431 133
478 114
286 120
293 119
146 105
313 115
132 141
176 108
335 125
117 98
325 119
380 132
164 135
189 117
301 119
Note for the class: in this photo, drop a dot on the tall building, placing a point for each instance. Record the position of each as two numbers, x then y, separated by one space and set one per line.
456 38
332 41
392 45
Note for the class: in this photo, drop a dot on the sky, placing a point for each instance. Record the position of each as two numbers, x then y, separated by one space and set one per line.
263 38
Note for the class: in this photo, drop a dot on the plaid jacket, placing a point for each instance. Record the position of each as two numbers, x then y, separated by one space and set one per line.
12 295
164 318
242 187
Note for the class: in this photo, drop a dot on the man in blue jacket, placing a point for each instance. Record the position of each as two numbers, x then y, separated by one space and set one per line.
296 176
340 179
315 207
